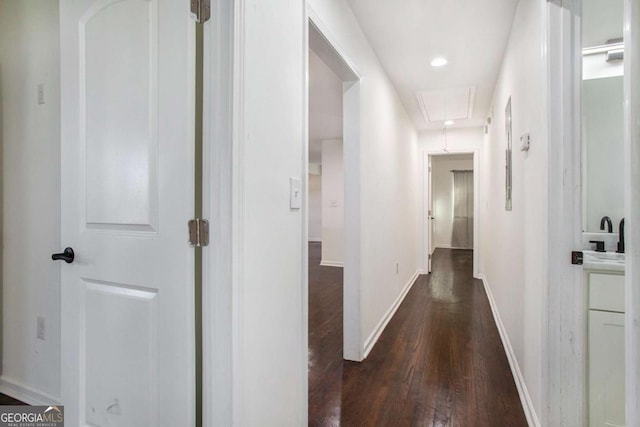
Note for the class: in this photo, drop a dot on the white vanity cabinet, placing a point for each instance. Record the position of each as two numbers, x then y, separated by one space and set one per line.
606 349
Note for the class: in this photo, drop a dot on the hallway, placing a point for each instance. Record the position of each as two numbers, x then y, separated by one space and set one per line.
439 362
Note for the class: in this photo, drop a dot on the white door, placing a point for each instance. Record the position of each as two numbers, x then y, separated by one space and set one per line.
127 193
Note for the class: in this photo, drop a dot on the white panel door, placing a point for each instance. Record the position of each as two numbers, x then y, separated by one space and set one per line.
127 194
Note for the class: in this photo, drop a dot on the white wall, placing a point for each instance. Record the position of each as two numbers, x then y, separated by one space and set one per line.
390 174
269 361
455 140
30 141
325 101
513 244
315 208
332 203
442 195
603 136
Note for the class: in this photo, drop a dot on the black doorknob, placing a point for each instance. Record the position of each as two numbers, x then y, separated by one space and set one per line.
66 256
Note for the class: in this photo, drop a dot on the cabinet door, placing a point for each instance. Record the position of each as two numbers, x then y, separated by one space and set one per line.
606 369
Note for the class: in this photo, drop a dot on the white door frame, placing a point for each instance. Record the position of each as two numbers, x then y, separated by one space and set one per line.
428 217
327 48
564 329
222 286
632 209
427 190
565 342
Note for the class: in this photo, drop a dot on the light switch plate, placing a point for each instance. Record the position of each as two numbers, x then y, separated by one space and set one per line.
295 193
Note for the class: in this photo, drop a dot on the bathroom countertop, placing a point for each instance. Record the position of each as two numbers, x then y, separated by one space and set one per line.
603 261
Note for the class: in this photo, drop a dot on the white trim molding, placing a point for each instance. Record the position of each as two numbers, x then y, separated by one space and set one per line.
445 246
632 209
564 297
523 392
373 338
26 394
328 263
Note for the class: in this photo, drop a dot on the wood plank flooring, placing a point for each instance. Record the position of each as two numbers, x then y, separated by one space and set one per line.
439 362
8 400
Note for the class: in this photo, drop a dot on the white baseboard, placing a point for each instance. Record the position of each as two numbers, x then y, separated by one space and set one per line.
325 263
26 394
441 246
527 404
373 338
451 247
315 239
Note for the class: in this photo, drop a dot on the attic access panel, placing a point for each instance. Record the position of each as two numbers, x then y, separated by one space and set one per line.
447 104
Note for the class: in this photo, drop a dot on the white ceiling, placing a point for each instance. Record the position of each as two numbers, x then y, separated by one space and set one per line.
408 34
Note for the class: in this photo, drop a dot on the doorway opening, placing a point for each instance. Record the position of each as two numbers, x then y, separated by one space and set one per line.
451 213
333 210
325 231
590 109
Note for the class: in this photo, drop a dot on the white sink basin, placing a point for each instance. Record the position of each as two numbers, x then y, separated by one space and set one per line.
603 257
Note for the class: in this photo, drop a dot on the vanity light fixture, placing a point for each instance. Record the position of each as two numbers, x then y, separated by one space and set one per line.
439 61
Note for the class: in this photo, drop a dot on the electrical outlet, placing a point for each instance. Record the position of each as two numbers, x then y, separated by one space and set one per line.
41 332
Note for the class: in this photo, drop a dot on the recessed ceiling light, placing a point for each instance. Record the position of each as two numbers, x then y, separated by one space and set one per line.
449 123
439 62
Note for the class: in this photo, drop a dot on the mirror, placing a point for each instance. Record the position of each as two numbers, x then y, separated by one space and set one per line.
602 114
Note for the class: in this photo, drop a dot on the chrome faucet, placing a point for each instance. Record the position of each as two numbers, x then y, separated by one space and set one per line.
606 220
621 238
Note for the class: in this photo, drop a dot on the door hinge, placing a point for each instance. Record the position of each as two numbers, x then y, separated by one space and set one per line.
201 10
429 212
429 256
198 233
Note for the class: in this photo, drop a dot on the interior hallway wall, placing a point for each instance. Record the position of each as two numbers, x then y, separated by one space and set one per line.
391 175
315 207
455 140
332 203
514 244
442 195
269 360
30 143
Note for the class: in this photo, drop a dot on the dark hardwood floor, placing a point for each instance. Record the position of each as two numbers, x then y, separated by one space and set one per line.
439 362
8 400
